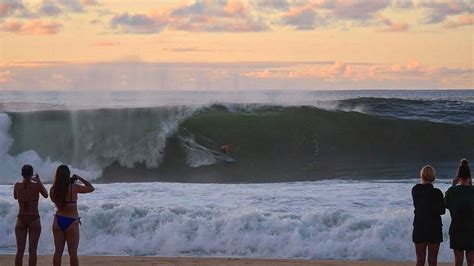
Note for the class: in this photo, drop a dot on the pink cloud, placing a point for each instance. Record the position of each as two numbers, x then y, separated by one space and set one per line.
332 72
411 71
463 20
200 16
5 76
9 7
33 27
89 2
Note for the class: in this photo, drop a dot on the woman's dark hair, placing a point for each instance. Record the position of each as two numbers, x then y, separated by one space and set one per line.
27 171
61 185
464 172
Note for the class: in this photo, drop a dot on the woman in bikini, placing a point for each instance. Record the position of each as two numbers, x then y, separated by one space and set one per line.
28 220
66 221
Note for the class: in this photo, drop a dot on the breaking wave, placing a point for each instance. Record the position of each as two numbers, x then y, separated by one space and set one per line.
267 143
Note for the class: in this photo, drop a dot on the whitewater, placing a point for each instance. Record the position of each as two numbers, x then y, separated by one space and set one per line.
365 220
321 175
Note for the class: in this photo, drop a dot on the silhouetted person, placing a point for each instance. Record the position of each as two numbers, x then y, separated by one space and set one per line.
460 202
427 226
66 221
28 220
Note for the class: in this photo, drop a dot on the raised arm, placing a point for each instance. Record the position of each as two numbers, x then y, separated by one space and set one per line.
43 190
15 196
86 188
439 206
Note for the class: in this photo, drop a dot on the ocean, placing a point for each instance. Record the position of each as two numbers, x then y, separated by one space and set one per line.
310 174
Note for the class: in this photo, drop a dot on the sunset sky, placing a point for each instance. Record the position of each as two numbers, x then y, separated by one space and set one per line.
236 44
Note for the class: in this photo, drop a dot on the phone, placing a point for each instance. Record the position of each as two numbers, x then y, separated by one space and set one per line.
73 179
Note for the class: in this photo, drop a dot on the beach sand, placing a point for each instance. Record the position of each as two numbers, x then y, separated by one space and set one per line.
128 260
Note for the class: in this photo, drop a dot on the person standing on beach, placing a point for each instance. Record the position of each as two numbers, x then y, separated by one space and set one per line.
66 221
28 220
460 202
427 227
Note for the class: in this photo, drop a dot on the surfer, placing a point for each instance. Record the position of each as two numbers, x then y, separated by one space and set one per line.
225 149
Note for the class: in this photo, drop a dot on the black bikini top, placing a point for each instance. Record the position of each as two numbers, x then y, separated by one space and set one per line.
70 196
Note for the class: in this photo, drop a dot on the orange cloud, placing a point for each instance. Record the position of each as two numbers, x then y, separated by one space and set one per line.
397 27
33 27
336 71
234 7
106 43
464 20
393 26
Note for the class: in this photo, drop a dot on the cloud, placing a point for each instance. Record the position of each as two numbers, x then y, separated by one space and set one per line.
396 75
200 16
437 11
281 5
358 9
463 20
106 43
187 49
33 27
307 15
327 72
138 23
5 76
48 8
393 26
89 2
402 4
11 8
71 5
300 18
215 16
127 75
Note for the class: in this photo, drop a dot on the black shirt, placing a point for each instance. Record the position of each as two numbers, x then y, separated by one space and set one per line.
429 206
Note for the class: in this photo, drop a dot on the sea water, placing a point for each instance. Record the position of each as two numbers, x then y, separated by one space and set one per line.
352 158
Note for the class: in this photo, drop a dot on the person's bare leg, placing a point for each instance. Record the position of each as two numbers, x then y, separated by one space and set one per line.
72 239
420 249
458 257
59 242
470 257
433 254
34 232
20 233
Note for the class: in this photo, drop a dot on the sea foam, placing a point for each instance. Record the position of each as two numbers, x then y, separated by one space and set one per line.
316 220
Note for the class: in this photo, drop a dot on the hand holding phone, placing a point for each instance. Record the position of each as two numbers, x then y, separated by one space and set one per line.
74 179
36 178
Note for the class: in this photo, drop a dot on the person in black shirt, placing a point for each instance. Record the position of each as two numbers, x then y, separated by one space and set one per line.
427 226
460 202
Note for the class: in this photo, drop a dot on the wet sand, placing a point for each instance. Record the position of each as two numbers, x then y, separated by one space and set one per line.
128 260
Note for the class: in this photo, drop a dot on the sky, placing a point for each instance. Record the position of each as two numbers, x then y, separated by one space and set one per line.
236 44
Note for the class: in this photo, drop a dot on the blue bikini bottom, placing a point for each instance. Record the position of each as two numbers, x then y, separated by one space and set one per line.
64 222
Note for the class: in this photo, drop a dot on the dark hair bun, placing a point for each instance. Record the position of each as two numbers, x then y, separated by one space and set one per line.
27 170
464 171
